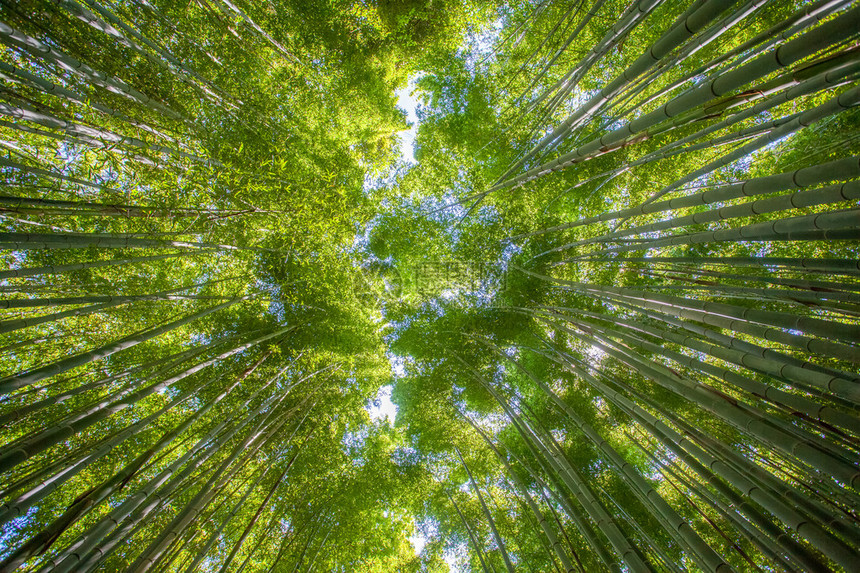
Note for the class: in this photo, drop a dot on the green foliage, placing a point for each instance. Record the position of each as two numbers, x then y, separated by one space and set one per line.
218 266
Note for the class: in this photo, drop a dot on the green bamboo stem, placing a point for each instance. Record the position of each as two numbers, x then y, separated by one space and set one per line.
672 522
736 413
262 506
49 437
713 471
31 241
72 557
838 170
18 40
552 539
490 520
577 486
60 269
828 33
748 530
11 383
271 423
470 533
759 323
799 199
796 403
690 23
788 515
572 510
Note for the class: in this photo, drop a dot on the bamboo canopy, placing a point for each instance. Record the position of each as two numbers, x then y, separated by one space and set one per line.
613 297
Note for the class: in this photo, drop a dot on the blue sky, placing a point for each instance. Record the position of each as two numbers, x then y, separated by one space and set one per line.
408 102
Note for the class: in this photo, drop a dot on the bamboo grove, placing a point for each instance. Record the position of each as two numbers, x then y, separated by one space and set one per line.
214 263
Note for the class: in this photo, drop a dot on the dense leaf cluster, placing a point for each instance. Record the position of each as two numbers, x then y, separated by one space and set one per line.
615 300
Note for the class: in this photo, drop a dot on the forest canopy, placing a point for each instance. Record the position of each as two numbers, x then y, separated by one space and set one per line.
607 318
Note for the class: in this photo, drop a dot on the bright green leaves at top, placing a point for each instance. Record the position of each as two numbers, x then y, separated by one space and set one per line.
580 390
